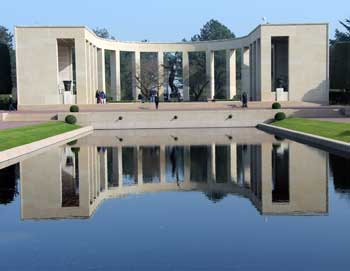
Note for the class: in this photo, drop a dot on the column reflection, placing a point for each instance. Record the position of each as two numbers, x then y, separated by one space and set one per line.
77 179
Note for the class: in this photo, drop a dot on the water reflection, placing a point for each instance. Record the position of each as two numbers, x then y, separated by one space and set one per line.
8 184
175 164
274 176
340 175
70 178
280 173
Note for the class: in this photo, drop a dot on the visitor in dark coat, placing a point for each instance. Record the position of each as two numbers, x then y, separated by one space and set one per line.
156 101
11 104
244 99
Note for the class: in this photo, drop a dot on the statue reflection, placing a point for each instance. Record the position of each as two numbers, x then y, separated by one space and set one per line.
273 176
175 164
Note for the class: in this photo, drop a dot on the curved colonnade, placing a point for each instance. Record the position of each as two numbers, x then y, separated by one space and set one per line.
249 45
294 53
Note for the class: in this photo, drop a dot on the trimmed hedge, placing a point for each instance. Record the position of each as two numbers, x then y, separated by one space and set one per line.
280 116
339 97
74 108
276 105
72 143
70 119
4 102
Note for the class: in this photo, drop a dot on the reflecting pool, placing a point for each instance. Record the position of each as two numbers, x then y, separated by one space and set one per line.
223 199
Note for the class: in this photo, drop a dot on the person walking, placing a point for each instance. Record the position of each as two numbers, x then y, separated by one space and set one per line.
11 104
103 97
244 99
156 101
98 98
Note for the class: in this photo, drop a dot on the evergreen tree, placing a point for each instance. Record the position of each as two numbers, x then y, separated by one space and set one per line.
340 36
6 51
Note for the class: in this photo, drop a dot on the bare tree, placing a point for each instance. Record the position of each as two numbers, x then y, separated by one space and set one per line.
198 80
150 78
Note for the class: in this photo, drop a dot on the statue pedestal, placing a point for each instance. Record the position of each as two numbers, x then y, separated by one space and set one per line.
281 95
67 97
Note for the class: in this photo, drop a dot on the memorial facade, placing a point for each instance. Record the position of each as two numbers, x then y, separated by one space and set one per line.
66 65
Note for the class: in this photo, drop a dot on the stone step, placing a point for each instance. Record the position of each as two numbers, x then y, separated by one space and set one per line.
345 112
29 116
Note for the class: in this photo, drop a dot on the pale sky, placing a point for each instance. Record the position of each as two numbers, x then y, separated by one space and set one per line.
161 20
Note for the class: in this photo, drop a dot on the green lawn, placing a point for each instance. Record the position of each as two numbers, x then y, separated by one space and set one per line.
14 137
334 130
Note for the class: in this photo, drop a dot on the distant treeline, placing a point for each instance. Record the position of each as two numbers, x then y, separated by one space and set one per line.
340 66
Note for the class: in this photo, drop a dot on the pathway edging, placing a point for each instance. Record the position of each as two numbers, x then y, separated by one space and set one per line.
16 152
310 139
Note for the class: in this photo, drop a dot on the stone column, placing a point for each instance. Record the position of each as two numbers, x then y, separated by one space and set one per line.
81 67
84 186
161 74
210 72
186 76
187 165
97 172
91 70
103 170
258 70
254 73
231 88
120 166
91 175
94 69
101 70
245 70
213 163
139 166
162 159
92 94
113 71
118 84
247 166
136 72
115 75
233 162
89 90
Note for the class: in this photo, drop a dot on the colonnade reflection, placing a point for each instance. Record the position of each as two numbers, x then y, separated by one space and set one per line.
277 177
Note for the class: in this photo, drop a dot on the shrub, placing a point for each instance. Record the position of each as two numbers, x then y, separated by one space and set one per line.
4 102
237 97
75 149
70 119
280 116
72 143
276 105
74 108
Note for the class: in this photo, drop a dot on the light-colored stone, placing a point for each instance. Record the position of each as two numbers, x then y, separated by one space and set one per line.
16 152
38 76
305 198
310 139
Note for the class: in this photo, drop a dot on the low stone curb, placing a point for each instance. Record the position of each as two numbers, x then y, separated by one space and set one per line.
16 152
313 140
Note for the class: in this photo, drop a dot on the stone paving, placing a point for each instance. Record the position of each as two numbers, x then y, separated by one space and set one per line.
14 124
169 106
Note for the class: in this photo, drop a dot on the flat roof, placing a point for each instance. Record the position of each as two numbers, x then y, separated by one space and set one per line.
179 42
